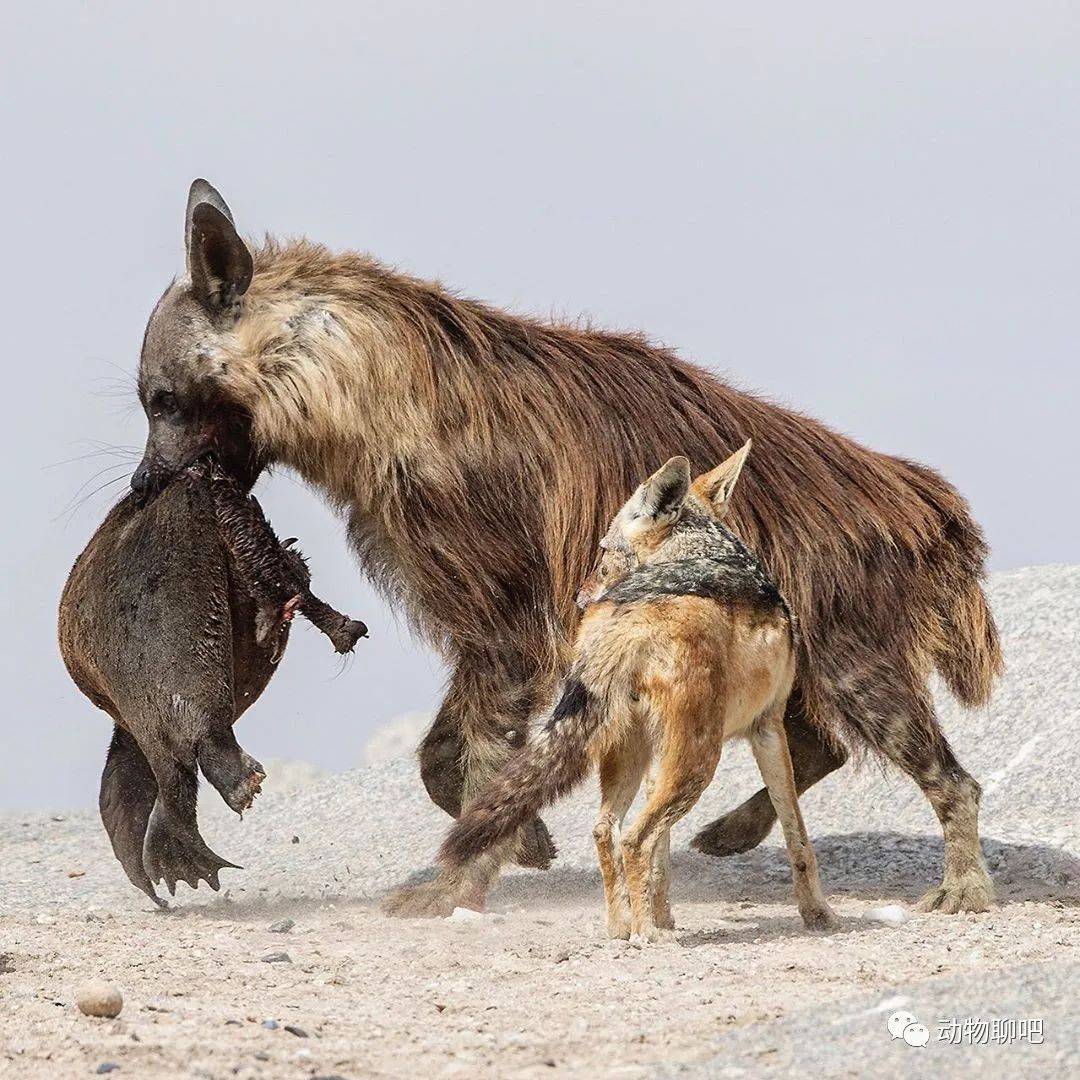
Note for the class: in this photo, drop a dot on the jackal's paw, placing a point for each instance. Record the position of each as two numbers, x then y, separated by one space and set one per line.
618 927
818 917
651 935
736 832
969 892
663 918
428 901
171 854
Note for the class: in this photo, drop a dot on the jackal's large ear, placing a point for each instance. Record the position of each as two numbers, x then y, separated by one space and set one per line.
715 487
662 495
219 263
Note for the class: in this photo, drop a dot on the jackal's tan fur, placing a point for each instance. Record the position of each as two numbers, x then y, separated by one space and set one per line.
685 644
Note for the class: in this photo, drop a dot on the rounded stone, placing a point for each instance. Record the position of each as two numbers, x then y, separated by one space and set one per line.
99 999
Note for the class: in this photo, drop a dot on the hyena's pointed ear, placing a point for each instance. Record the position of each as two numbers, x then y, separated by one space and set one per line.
715 487
218 261
663 494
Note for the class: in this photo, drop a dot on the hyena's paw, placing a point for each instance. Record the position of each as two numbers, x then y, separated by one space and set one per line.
818 916
736 832
431 900
969 892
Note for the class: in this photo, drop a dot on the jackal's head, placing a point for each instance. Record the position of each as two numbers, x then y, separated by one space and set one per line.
644 528
178 384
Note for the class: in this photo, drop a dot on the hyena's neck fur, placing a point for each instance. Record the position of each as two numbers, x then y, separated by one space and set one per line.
385 393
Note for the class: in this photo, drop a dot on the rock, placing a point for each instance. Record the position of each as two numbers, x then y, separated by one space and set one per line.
299 1032
463 914
99 999
106 1067
296 839
270 1025
282 926
76 873
277 958
890 915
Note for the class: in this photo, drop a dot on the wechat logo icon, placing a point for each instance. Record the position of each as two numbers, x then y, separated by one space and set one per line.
906 1026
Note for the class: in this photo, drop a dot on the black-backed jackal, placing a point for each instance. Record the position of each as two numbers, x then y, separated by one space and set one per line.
684 643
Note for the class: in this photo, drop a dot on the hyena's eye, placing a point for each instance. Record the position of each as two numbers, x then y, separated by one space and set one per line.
164 404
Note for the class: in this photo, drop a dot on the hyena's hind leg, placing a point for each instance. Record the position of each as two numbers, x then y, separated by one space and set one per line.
897 717
620 771
481 723
813 757
127 796
769 743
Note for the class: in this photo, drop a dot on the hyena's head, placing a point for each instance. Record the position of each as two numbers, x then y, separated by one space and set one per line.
179 384
662 519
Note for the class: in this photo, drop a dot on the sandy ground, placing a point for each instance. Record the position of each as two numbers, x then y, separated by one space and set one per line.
534 989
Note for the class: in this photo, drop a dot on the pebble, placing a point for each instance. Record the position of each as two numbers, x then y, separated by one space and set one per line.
282 926
463 914
99 999
467 915
890 915
299 1032
270 1025
277 958
106 1067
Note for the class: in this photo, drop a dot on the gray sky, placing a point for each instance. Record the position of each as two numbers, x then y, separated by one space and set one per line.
868 211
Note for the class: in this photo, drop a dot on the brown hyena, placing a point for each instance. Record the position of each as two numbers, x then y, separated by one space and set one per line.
173 620
478 457
684 644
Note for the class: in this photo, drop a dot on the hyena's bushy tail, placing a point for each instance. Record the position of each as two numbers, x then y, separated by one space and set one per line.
968 656
548 768
964 642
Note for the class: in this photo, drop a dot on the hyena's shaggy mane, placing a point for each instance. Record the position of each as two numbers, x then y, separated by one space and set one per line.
480 456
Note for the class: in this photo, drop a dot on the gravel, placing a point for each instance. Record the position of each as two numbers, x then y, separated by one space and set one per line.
744 989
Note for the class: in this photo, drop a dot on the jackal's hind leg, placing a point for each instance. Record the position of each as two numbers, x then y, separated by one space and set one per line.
621 771
687 763
769 743
813 758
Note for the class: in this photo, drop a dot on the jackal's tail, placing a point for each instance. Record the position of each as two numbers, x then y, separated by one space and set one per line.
549 767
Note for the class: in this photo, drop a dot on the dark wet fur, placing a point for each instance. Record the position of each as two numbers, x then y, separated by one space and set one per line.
157 628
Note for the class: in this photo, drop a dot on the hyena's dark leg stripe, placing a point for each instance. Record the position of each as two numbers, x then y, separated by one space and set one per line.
813 758
897 718
483 720
954 794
